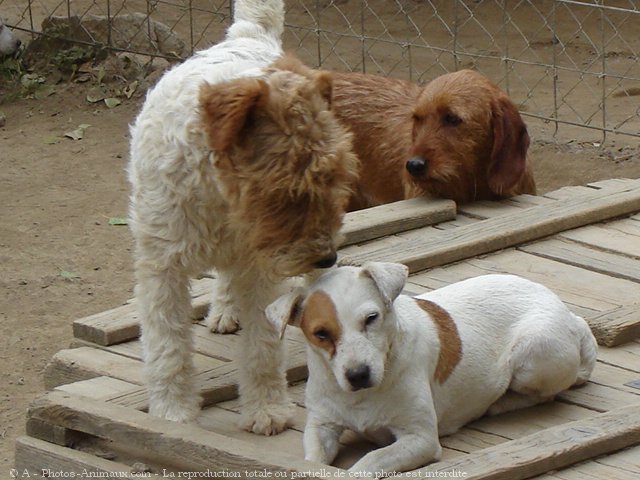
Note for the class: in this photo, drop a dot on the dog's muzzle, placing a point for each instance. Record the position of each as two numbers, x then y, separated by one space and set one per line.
359 377
327 262
417 166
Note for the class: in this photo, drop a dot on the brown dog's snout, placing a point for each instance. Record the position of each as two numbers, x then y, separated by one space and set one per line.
328 261
359 377
417 166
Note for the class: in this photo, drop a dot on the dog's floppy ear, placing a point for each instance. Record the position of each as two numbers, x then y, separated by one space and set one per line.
321 81
285 310
510 145
227 108
390 279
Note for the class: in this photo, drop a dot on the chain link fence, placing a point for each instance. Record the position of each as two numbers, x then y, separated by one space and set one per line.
564 62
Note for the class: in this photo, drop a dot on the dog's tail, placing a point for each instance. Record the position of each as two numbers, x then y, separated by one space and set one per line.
588 352
268 14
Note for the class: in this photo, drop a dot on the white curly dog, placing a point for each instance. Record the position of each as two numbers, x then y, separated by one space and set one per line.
238 164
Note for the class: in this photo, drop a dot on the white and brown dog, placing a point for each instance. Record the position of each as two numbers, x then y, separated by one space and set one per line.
407 370
238 164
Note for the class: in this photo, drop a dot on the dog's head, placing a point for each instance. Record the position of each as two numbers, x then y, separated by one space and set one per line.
469 140
284 163
347 318
9 43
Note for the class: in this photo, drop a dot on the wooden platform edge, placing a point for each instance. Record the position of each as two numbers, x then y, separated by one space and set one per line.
617 327
446 246
549 449
183 445
363 225
43 459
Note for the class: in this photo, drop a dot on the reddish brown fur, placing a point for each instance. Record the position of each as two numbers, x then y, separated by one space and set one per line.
450 343
285 162
319 314
484 157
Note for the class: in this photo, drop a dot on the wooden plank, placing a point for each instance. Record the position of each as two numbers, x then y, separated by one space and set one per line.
43 459
592 291
615 377
624 356
121 324
598 397
52 433
396 217
97 388
618 326
548 449
620 236
72 365
519 423
446 246
623 465
184 445
219 384
578 255
487 209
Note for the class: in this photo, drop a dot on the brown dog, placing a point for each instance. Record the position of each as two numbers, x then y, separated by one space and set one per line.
459 137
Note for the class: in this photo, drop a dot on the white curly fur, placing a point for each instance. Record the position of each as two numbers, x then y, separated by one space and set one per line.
9 43
241 168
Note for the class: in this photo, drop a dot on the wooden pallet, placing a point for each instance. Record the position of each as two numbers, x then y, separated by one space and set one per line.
583 242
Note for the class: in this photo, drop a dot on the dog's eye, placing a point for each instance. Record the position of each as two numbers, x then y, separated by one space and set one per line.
372 317
322 335
452 120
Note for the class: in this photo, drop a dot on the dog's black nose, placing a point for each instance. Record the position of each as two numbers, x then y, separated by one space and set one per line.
359 377
327 262
417 166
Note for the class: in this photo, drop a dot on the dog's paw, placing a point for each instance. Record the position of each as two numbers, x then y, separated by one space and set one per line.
225 321
176 412
269 419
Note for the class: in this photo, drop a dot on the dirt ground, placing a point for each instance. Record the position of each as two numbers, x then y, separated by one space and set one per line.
62 258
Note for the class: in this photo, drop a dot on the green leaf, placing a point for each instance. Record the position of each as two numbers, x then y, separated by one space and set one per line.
69 275
51 140
118 221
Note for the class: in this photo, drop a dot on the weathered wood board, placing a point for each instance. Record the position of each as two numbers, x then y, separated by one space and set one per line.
582 242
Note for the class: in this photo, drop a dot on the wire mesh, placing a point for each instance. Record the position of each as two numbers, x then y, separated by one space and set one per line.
564 62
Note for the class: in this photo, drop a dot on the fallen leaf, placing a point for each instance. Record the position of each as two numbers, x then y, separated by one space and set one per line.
76 134
112 102
51 140
68 275
130 89
95 97
118 221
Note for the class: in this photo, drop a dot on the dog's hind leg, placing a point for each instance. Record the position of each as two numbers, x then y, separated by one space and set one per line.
223 316
515 401
164 308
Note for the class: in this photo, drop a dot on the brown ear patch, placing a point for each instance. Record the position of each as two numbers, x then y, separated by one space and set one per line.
450 343
226 108
320 319
510 146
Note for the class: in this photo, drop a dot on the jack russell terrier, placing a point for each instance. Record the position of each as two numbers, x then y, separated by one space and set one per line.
407 369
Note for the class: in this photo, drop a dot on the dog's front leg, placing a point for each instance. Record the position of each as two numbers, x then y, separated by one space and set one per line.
266 408
408 452
164 309
321 440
